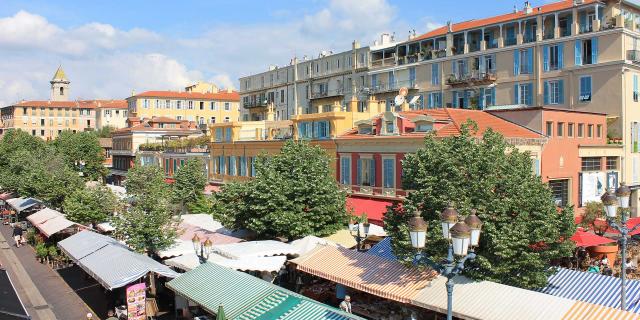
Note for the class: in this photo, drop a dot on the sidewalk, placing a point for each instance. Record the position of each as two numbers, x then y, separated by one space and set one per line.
45 294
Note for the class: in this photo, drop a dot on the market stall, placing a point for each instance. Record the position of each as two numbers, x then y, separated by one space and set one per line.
191 261
250 249
24 206
50 222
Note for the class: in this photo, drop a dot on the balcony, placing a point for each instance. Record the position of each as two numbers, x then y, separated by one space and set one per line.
510 42
381 63
633 55
394 86
472 79
260 103
327 94
376 192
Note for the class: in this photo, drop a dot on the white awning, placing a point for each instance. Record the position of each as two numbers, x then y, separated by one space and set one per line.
105 227
43 215
55 225
309 243
191 261
252 249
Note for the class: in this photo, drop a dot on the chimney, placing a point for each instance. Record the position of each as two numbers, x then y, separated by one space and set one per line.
449 26
355 44
229 90
527 7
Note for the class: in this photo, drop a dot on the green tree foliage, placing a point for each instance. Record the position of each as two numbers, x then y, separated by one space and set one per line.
82 148
90 205
188 188
293 195
105 132
523 230
146 224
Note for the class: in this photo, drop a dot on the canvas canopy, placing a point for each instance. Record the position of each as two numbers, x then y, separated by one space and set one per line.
191 261
251 249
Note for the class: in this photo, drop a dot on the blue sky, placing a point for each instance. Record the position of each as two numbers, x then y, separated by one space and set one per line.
109 48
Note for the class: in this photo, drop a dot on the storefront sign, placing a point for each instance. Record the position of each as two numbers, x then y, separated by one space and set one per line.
136 302
593 186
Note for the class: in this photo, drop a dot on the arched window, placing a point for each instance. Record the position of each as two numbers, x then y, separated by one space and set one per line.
62 91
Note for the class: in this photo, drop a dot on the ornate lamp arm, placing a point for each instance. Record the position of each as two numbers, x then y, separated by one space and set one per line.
419 258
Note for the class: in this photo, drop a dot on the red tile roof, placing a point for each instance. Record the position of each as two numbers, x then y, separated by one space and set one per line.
472 24
112 104
221 95
88 104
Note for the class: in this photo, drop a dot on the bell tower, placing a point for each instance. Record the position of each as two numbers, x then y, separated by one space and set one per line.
59 86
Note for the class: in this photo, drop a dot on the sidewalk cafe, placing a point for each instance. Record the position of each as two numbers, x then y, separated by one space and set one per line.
201 292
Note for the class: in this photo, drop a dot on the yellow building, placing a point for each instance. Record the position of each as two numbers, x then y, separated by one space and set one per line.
201 103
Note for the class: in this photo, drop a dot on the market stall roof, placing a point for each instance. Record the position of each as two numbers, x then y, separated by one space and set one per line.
588 311
490 300
588 239
105 227
364 272
20 204
55 225
383 249
11 306
109 262
343 238
249 249
181 246
6 196
202 221
593 288
190 261
247 297
43 215
119 191
309 243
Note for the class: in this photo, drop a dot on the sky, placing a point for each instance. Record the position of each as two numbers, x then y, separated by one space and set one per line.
110 49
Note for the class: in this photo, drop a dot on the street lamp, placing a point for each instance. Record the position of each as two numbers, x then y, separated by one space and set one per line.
611 202
356 233
202 250
463 237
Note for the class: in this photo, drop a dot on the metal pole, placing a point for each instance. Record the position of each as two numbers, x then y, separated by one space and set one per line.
449 299
623 242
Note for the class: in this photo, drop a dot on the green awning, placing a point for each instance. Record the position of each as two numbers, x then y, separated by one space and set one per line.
246 297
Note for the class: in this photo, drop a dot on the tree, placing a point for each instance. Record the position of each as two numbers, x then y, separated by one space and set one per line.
82 152
293 195
190 180
90 205
146 224
523 230
105 132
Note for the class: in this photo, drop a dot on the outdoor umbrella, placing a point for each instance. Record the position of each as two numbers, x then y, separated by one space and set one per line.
587 239
220 315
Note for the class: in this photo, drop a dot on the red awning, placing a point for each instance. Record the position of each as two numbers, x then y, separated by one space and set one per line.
374 208
587 239
211 189
169 180
6 196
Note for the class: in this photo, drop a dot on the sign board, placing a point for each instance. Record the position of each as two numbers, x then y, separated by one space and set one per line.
593 186
136 302
403 91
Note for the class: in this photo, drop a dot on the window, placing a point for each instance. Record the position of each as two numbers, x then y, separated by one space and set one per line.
190 105
158 104
560 191
553 57
570 130
524 93
590 131
42 133
434 100
599 131
212 120
459 68
635 88
435 74
226 119
388 173
560 129
580 130
227 106
487 97
612 163
489 64
212 105
549 129
586 52
232 166
178 117
107 113
61 91
167 104
178 104
145 103
366 172
585 89
554 92
33 132
281 96
523 61
345 170
591 164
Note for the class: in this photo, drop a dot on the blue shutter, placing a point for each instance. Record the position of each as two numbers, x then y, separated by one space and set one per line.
481 65
530 94
438 100
228 134
374 80
435 74
561 89
481 102
223 166
516 62
466 99
516 94
342 170
455 99
316 130
301 130
493 96
545 58
594 50
454 67
546 92
583 22
253 166
372 171
388 173
358 171
560 56
530 60
465 67
429 101
232 165
578 53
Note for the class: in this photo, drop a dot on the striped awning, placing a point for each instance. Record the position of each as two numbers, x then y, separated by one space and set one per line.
364 272
588 311
593 288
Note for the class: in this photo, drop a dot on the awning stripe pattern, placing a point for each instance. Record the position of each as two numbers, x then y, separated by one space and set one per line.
311 311
268 303
588 311
593 288
368 273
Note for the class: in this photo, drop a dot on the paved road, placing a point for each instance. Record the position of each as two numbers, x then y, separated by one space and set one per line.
45 294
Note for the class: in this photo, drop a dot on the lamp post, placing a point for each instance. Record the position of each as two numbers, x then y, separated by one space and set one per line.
463 236
202 250
611 202
356 233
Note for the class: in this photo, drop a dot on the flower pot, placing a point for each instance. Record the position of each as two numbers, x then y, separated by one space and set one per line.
598 252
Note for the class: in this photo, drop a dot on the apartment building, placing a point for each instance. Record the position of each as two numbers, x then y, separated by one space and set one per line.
201 103
48 118
306 86
111 113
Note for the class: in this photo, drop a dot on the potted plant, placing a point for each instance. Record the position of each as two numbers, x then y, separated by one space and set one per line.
41 252
53 256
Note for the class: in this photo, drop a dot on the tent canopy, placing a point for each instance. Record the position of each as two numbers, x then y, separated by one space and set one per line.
309 243
109 262
50 221
247 297
11 306
43 215
191 261
588 239
343 238
252 249
20 204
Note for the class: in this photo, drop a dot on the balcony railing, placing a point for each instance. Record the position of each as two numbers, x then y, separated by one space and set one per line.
633 55
256 104
386 62
374 191
327 94
510 42
474 78
394 86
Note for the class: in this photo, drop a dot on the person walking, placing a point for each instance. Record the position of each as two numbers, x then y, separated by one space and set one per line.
345 305
111 315
17 234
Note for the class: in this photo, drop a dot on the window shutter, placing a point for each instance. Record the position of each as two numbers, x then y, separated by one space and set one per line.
529 94
516 94
301 130
465 67
635 83
561 89
466 99
545 58
454 67
358 171
530 60
493 97
481 101
578 53
372 172
316 130
546 92
429 101
560 56
594 50
455 99
481 65
516 62
583 22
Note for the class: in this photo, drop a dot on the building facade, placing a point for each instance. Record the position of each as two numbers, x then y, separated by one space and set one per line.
201 103
111 113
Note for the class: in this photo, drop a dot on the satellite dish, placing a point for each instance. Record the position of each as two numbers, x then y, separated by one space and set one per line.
399 100
414 100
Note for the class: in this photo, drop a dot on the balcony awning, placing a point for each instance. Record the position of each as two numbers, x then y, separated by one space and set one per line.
374 208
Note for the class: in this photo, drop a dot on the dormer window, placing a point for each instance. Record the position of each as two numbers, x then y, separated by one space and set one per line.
364 127
423 123
389 120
